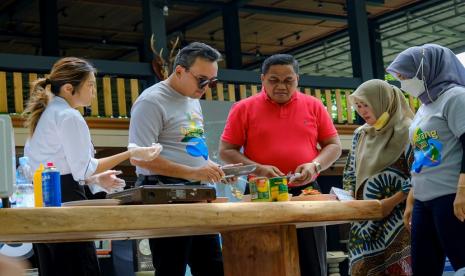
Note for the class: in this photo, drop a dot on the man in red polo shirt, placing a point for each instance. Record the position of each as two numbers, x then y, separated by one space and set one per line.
279 130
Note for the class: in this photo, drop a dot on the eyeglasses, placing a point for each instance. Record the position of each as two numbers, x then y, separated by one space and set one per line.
202 82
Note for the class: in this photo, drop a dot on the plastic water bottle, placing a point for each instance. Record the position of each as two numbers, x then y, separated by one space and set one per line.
12 198
51 186
24 187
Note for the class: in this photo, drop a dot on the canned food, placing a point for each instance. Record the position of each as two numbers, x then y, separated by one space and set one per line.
260 189
279 190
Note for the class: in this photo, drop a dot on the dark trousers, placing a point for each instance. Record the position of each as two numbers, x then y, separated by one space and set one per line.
73 258
311 242
436 233
171 255
312 245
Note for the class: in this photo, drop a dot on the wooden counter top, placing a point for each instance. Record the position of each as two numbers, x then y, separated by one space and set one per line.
140 221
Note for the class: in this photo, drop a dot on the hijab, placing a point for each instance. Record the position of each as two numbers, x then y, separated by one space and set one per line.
441 70
378 148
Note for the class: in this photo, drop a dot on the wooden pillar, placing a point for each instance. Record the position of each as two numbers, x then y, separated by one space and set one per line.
376 49
154 23
49 27
270 250
360 46
232 37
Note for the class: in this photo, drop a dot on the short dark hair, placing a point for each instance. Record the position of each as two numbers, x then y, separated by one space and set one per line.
280 59
188 55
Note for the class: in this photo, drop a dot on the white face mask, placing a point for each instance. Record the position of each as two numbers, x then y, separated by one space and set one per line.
414 86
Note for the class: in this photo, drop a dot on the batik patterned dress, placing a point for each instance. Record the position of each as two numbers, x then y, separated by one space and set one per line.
379 247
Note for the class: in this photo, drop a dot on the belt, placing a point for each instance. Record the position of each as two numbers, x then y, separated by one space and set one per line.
161 179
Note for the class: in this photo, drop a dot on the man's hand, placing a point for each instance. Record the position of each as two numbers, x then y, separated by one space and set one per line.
308 173
211 172
267 171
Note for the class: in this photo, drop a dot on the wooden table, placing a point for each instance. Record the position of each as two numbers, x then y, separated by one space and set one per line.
258 238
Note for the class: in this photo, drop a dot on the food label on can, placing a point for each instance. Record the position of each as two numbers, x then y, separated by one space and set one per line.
260 189
279 190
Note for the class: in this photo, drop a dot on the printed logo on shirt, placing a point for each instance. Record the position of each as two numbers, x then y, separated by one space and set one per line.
427 149
194 136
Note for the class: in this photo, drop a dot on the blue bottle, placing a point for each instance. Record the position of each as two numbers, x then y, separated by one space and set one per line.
51 186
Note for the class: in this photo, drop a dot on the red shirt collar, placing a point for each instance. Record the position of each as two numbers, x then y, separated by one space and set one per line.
294 97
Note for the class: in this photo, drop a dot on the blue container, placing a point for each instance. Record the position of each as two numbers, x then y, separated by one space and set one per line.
448 266
51 186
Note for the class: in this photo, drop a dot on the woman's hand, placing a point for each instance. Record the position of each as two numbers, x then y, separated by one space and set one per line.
144 153
408 211
387 206
109 182
459 203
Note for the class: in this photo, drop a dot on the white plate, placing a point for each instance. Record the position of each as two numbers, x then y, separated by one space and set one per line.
92 202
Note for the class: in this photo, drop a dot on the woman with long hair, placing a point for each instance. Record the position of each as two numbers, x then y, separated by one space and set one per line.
59 134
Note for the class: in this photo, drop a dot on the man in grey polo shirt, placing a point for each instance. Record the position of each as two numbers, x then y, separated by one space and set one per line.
169 113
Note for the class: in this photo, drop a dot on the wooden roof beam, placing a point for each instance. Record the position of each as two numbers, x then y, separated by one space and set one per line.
293 13
214 10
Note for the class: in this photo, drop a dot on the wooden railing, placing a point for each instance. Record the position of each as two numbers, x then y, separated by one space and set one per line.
113 100
115 96
335 100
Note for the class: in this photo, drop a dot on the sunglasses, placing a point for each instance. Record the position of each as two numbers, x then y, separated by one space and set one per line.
202 82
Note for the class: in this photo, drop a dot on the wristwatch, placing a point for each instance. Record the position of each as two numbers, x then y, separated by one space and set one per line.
317 166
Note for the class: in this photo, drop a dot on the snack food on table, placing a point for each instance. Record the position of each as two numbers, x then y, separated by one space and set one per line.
235 191
310 191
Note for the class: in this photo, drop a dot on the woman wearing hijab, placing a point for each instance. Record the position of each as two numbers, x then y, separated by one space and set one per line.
377 168
436 204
